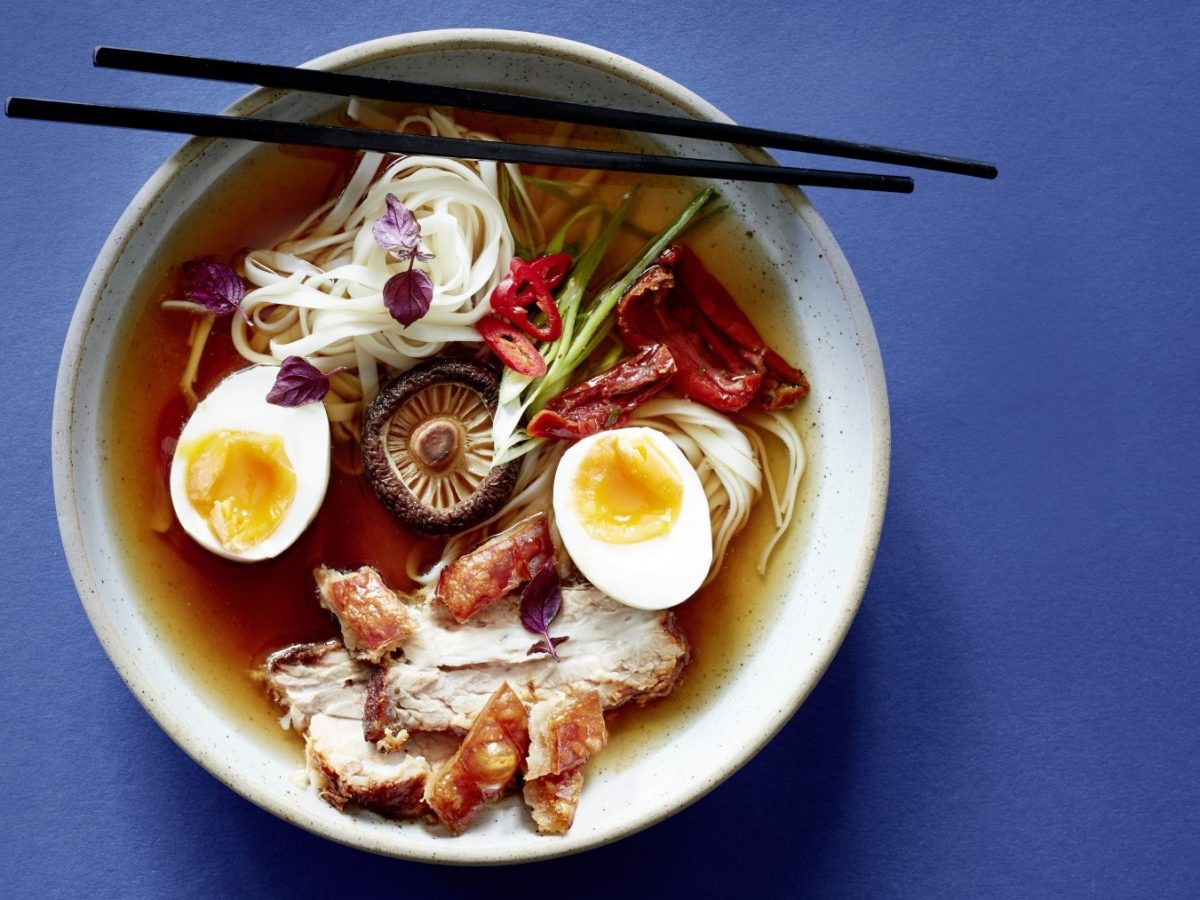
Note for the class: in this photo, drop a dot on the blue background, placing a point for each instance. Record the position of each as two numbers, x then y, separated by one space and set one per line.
1014 711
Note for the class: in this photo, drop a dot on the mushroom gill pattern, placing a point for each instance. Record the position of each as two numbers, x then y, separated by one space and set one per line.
440 444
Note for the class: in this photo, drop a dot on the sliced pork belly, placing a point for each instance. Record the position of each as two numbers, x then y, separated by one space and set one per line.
376 733
564 733
307 679
344 768
323 691
374 618
496 567
486 764
449 670
553 799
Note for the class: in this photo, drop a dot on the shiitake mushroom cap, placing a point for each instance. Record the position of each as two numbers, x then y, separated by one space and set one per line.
424 450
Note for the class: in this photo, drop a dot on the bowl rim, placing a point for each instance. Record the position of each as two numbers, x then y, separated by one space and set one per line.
124 659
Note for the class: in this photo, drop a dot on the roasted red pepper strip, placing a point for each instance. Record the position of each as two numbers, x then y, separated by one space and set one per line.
722 360
606 400
782 384
528 285
513 348
711 297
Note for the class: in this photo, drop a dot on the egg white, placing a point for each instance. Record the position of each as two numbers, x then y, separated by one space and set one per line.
657 573
239 403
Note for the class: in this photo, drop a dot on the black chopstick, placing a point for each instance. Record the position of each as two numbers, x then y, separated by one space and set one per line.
346 85
270 131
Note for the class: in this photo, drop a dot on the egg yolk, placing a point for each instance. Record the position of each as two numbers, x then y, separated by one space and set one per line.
242 483
626 490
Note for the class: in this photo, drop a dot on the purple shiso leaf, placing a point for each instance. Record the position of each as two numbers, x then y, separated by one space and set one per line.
398 229
408 295
298 382
540 602
541 646
215 286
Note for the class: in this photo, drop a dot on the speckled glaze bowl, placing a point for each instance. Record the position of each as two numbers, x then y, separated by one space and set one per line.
826 562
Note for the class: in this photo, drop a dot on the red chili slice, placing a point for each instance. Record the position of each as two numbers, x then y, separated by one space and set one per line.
514 306
552 269
514 349
528 285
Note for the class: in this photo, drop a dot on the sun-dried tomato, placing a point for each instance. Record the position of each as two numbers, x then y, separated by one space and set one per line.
721 358
608 399
783 384
514 349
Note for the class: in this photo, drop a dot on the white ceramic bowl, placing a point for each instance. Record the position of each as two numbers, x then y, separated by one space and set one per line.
827 566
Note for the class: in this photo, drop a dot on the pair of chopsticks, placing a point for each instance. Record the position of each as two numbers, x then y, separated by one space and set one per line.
347 85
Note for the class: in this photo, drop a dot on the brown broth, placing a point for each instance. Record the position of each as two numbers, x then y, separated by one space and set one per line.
221 617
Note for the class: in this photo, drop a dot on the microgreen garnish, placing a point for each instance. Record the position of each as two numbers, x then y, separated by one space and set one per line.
540 602
408 295
398 231
299 382
215 286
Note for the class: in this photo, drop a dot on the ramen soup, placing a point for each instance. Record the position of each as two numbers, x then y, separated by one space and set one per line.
465 473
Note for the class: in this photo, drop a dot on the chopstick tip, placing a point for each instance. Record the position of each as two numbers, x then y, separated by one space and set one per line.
975 169
103 55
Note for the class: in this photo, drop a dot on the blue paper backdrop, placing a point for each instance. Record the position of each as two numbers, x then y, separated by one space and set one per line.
1014 712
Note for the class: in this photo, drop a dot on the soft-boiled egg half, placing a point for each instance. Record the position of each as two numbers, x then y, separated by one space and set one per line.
633 517
249 476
